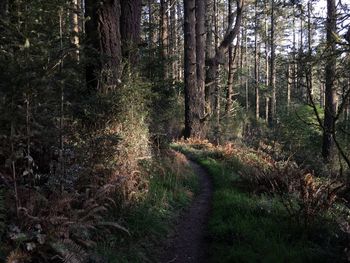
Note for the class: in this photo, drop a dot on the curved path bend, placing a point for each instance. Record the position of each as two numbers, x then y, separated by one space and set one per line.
189 242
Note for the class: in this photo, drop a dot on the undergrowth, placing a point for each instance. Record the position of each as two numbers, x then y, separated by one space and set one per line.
255 226
172 185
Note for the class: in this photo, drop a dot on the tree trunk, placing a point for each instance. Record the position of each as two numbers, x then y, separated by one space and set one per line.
330 90
267 110
164 36
173 40
210 51
272 65
256 63
3 8
75 28
192 109
130 28
151 35
288 88
309 70
216 80
266 29
200 52
232 53
103 35
219 57
301 65
294 68
179 40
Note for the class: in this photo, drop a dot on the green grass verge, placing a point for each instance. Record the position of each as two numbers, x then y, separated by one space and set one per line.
150 220
255 228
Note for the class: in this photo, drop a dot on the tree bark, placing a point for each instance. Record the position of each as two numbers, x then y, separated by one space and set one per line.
179 42
192 109
173 40
294 51
232 53
288 88
301 65
164 36
256 63
75 26
216 107
103 35
272 65
219 57
130 29
3 8
267 109
309 70
200 52
209 52
330 90
266 29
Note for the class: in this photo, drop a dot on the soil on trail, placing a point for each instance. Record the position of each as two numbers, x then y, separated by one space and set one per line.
189 242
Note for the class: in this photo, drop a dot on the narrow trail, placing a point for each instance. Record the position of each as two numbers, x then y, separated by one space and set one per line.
189 242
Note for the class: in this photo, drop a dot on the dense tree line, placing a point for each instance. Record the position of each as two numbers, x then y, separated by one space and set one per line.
88 88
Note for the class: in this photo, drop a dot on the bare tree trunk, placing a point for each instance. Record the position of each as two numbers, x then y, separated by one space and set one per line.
272 64
151 34
294 68
247 75
256 63
179 40
150 22
267 109
103 34
267 72
288 87
247 83
309 70
164 36
301 65
130 29
330 89
209 53
3 8
200 52
232 53
13 163
216 80
75 30
192 110
322 95
219 57
242 56
173 40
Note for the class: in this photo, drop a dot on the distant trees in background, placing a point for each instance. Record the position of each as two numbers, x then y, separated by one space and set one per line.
87 86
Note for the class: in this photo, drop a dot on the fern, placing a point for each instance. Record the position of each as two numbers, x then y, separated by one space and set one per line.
70 252
18 256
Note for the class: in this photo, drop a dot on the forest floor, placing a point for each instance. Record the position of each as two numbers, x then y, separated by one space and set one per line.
189 242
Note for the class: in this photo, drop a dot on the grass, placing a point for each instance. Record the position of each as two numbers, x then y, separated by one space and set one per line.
150 220
245 227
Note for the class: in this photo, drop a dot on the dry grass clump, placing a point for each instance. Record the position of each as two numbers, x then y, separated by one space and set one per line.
304 195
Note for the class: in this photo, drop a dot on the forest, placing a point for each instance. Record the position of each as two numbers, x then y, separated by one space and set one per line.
189 131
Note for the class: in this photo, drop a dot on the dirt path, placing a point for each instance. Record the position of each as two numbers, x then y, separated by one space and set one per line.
189 242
